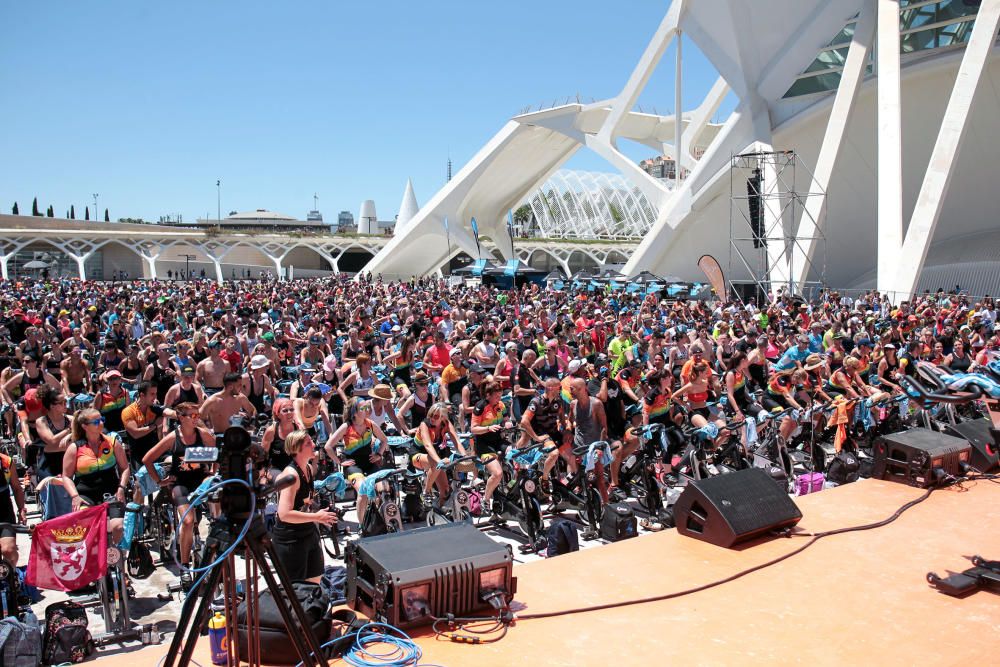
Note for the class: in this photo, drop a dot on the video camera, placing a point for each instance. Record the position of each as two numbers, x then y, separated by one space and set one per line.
236 459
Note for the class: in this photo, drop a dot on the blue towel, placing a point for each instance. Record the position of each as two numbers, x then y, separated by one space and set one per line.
335 483
145 482
708 432
55 501
590 460
206 484
133 525
751 431
367 487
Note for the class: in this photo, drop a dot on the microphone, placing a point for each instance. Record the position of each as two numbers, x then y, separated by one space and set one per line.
280 483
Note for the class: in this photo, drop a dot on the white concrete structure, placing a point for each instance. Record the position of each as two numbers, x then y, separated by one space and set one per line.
408 208
367 221
886 137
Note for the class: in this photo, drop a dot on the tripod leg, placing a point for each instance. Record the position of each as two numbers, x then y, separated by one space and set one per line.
306 644
192 619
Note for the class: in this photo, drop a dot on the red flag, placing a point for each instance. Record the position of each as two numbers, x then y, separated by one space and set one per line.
70 551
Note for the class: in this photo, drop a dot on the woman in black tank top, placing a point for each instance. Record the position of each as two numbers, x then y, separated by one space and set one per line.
273 440
295 536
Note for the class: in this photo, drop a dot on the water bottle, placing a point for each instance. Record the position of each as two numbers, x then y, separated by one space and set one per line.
217 639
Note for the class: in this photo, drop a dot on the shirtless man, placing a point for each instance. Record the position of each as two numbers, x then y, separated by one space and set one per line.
217 410
75 373
212 370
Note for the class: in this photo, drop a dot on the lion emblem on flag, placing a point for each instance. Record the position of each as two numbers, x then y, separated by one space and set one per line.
69 553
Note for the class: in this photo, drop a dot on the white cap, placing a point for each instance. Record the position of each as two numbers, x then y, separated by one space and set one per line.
574 366
259 361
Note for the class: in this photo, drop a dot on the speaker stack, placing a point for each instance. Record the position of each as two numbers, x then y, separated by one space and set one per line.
983 438
728 509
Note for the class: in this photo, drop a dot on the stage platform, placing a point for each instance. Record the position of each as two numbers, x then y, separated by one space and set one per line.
857 599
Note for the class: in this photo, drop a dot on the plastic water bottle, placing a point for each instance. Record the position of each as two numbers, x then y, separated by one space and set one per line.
217 639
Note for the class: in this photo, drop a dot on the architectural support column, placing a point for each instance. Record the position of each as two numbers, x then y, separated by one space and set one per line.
890 148
3 266
80 264
217 263
814 214
940 168
678 111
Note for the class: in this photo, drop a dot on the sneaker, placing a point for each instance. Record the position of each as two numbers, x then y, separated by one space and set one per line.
496 507
427 499
186 581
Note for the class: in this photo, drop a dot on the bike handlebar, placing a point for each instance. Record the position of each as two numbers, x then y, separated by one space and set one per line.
455 462
972 393
599 446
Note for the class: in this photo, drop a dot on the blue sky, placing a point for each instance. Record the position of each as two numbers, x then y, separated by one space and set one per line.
148 103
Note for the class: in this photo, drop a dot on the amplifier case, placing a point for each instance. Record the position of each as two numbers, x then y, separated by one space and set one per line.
912 456
406 578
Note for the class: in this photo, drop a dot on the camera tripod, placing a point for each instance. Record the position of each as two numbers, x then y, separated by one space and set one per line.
257 545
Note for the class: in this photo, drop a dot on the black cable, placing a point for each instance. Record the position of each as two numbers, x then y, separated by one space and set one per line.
697 589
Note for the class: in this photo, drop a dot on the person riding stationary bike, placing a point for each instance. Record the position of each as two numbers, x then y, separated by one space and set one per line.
545 421
183 477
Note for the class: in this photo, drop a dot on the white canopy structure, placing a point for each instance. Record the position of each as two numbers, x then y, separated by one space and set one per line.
876 96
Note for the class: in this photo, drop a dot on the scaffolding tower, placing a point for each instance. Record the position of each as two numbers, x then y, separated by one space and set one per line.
768 193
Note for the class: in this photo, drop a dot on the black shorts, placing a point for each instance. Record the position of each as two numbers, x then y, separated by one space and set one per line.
7 517
704 412
116 510
772 402
299 551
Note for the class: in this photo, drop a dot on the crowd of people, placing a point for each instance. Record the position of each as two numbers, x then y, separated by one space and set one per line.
99 380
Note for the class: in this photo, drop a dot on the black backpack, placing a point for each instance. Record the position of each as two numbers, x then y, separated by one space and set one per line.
844 468
618 522
139 563
67 638
274 642
561 538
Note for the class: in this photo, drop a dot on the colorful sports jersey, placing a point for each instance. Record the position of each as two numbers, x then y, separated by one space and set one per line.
353 441
89 461
656 404
487 415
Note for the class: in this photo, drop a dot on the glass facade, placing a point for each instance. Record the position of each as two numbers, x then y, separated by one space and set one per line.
923 25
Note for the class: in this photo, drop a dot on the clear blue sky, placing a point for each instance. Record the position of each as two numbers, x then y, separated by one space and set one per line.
148 103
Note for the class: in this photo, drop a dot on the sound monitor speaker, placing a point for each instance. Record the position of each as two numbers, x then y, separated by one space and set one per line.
920 457
727 509
406 579
980 434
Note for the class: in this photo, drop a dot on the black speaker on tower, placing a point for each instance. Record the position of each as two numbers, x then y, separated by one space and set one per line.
727 509
755 205
983 438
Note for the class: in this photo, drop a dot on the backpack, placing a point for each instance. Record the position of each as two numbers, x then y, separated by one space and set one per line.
844 468
561 538
20 642
67 638
139 563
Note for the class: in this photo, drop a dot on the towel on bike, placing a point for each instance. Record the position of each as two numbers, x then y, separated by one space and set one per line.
840 418
202 490
367 487
145 483
53 499
526 458
592 457
334 483
71 551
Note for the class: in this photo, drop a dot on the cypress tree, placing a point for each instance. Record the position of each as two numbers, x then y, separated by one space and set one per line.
106 218
50 212
86 213
34 207
14 210
72 212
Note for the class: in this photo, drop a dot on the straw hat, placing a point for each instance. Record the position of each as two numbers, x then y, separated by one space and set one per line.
381 391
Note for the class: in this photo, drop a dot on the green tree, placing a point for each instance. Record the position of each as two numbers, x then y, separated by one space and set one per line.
14 210
72 212
86 213
50 212
106 218
34 207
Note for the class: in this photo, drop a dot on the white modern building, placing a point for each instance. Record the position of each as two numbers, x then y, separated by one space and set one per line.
891 107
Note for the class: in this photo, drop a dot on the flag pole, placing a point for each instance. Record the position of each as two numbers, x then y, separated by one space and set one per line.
510 232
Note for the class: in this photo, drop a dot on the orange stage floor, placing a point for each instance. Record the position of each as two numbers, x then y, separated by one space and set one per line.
858 598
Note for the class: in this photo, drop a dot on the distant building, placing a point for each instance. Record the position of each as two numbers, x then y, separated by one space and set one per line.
345 222
263 220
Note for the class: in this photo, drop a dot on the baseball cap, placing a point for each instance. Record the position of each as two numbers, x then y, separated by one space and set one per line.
574 366
259 361
268 336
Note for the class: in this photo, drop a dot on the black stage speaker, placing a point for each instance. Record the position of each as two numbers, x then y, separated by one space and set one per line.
920 457
735 507
406 579
979 433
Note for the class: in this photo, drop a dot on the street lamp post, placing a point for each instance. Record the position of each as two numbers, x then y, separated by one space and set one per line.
187 264
95 207
218 199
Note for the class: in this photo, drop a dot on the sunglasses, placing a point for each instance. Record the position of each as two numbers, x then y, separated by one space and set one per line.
94 422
